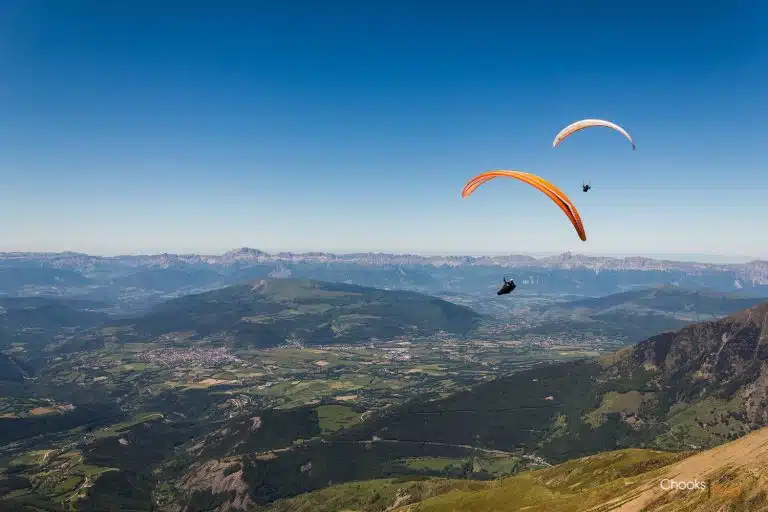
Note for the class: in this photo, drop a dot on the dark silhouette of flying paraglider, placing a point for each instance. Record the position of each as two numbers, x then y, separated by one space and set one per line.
586 187
507 287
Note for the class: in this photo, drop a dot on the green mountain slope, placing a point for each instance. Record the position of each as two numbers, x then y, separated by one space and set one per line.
669 299
372 495
638 314
696 387
30 322
734 477
272 312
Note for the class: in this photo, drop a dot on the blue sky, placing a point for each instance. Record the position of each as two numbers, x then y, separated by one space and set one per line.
202 126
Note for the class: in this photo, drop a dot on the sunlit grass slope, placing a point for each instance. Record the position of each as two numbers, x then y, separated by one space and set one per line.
624 480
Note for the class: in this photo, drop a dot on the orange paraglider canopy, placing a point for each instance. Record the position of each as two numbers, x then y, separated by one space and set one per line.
554 193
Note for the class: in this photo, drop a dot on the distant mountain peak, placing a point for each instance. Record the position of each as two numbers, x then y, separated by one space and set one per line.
245 251
244 254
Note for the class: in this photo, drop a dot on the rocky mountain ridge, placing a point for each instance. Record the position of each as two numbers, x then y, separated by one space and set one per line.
755 272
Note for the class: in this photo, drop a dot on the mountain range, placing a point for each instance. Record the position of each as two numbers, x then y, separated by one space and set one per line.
139 281
752 271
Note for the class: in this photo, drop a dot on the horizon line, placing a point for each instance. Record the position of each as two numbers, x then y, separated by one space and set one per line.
537 255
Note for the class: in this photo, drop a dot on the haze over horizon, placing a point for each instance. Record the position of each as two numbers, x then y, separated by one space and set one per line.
346 127
683 257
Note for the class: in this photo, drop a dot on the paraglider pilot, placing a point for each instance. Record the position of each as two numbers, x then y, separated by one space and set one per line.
586 187
507 287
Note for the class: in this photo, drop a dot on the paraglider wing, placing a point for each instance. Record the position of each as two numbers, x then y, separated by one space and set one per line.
554 193
588 123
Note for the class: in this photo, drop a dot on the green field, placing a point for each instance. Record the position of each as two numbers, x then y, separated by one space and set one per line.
336 417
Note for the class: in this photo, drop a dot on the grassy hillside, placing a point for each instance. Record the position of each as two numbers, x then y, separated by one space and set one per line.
554 487
371 495
735 474
272 312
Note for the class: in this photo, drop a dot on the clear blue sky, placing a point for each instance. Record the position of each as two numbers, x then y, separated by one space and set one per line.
152 126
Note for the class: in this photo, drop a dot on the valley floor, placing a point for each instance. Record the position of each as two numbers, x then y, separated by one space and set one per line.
175 395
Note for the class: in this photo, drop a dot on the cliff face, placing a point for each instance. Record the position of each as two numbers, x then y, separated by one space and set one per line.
717 351
724 359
